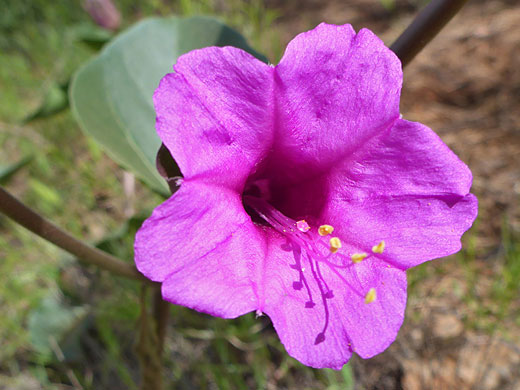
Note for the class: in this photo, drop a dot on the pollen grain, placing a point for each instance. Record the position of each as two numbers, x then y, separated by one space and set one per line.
371 295
379 248
358 257
335 244
325 230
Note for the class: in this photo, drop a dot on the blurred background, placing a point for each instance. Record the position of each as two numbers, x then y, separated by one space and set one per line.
67 326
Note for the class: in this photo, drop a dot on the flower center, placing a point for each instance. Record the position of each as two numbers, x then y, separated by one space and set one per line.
315 248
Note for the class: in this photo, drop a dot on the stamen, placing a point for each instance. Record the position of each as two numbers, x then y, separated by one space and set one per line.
312 252
358 257
303 226
371 296
379 248
328 292
335 244
325 230
321 336
303 281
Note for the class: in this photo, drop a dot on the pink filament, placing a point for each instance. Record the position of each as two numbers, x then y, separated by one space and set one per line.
301 241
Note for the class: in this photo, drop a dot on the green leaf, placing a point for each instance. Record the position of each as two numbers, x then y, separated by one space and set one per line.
90 34
120 242
340 380
55 101
48 197
9 170
55 322
111 96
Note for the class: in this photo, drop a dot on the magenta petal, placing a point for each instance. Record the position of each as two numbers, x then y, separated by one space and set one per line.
194 221
214 114
204 248
407 188
353 325
415 230
335 89
407 160
372 327
221 282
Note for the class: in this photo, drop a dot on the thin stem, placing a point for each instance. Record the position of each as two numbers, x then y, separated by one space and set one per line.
424 28
150 361
39 225
161 310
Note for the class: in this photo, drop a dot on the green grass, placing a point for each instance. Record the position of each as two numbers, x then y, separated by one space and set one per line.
22 285
506 287
494 305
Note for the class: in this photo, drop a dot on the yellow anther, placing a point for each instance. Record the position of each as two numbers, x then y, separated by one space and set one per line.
358 257
379 248
371 295
325 230
335 244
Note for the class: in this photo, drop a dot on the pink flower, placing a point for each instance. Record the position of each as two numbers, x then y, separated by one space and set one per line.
268 151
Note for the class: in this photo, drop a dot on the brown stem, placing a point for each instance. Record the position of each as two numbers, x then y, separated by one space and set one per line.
424 28
147 347
161 310
39 225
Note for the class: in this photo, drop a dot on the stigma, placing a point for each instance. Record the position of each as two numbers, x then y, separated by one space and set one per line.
303 226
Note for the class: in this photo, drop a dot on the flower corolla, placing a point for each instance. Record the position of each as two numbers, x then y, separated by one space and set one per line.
305 194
